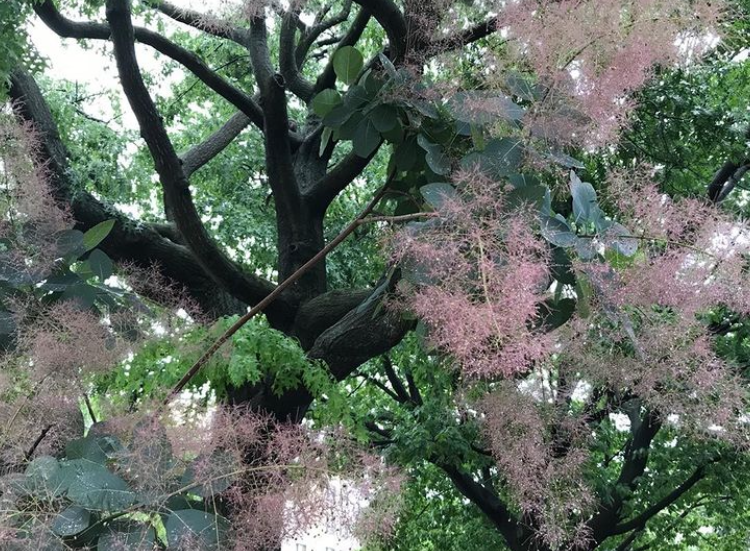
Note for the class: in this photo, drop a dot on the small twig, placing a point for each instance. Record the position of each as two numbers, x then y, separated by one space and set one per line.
397 219
89 408
36 443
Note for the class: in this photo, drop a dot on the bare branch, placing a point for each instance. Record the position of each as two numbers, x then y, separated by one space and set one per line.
168 165
327 79
99 31
311 35
637 523
337 179
199 155
296 83
202 22
460 39
390 17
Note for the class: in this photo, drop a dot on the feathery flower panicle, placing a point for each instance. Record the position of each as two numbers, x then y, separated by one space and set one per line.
597 53
485 274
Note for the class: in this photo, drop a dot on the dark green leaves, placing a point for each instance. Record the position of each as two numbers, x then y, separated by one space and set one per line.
73 520
435 156
100 264
366 139
127 535
499 159
484 108
436 194
347 63
557 231
210 529
585 207
324 102
93 486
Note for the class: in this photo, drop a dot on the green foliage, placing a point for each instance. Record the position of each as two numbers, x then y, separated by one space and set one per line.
97 506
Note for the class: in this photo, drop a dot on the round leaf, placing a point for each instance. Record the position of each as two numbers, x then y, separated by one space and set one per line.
71 521
347 63
191 523
324 102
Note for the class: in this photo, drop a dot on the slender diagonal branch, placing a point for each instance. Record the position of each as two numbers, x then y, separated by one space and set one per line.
202 153
640 521
271 297
221 29
168 165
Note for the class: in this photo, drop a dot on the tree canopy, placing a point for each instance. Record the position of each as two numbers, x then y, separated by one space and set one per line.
486 262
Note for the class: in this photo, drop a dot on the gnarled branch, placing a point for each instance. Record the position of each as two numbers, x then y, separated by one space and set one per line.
202 153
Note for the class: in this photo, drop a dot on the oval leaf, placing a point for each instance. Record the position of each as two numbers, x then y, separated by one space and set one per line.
100 264
191 523
557 232
71 521
347 63
325 101
435 194
97 234
366 139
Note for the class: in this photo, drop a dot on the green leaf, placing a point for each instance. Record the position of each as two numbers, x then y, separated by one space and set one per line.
384 117
337 116
218 473
557 231
325 101
96 488
356 97
43 473
71 521
500 158
585 206
435 194
97 234
620 239
583 294
191 523
435 156
553 314
325 137
405 155
101 265
347 63
82 295
70 243
366 139
130 535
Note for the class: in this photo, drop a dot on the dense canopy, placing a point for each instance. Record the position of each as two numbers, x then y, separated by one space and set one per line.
432 274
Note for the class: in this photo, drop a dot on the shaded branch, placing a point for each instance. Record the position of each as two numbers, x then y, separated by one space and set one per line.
311 35
168 165
197 156
462 38
202 22
100 31
296 83
393 378
390 17
640 521
128 241
337 179
327 78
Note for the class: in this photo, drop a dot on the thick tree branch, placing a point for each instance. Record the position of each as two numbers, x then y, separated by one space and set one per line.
634 465
129 241
337 179
462 38
309 37
726 179
390 17
638 522
221 29
247 288
296 83
488 502
279 165
99 31
327 79
202 153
